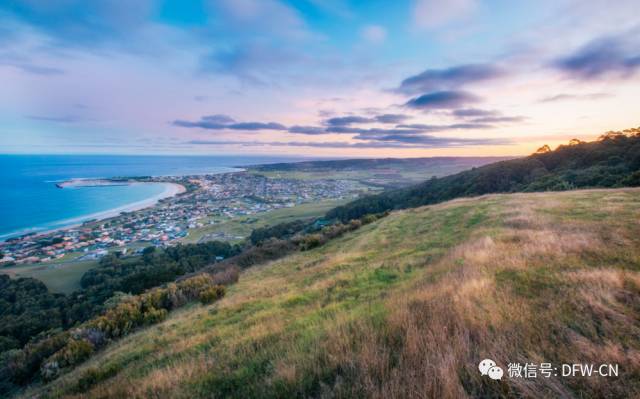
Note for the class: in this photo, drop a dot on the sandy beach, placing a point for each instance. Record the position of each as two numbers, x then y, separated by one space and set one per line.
170 190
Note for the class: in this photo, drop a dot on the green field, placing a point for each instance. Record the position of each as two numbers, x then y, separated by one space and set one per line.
384 177
61 277
243 225
374 173
407 307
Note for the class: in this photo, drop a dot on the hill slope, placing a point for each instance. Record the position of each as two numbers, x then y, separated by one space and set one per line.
407 307
611 161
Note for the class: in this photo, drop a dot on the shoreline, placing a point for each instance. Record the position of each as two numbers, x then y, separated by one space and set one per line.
170 190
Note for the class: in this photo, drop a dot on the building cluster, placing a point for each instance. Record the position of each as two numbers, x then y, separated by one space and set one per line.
212 199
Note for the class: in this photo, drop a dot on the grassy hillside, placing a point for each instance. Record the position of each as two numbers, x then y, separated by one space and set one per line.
407 307
611 161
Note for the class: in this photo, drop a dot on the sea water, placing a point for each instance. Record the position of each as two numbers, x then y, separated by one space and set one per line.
30 201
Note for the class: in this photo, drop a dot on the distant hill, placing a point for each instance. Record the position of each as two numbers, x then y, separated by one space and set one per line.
611 161
377 163
385 173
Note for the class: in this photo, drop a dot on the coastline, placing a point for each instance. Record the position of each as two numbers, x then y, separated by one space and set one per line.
170 190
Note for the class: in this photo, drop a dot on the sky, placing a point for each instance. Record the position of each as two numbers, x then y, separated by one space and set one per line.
334 78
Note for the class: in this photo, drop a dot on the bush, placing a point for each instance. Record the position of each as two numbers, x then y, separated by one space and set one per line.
212 294
154 316
279 231
229 275
69 349
50 370
311 241
370 218
76 351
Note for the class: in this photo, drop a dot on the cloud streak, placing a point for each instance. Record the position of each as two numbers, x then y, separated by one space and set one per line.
310 130
223 122
608 56
392 118
448 78
348 120
442 100
476 116
399 136
390 141
499 119
344 125
441 128
579 97
473 112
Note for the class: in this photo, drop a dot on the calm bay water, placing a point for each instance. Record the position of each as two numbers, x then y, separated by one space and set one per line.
30 201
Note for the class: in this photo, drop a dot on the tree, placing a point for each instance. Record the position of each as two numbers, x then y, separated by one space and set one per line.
543 150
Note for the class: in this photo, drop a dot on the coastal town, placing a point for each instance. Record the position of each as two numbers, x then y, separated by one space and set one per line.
208 200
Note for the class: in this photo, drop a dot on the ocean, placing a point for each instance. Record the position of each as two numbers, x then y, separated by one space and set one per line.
30 201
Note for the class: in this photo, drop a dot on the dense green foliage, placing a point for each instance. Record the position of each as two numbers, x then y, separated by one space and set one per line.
27 309
29 312
280 231
153 268
57 352
136 274
611 161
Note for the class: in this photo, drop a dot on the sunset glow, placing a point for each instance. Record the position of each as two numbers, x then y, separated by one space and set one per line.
317 78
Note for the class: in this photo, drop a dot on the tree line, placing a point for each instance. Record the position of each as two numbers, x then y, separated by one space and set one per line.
611 161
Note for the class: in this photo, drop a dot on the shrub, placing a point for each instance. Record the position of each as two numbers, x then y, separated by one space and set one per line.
279 231
355 224
212 294
76 351
154 316
311 241
370 218
50 370
227 276
192 287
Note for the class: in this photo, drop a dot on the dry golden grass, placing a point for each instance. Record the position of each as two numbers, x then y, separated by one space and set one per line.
446 328
407 307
